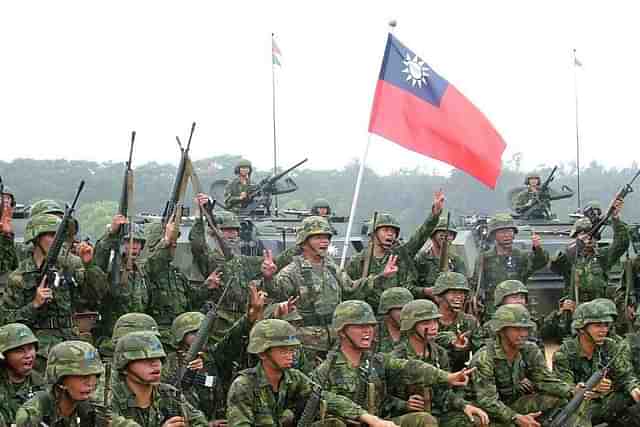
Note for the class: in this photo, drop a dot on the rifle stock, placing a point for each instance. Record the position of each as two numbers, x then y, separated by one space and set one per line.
444 250
313 406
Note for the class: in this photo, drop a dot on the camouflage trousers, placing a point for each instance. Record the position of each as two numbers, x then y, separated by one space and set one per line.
545 404
613 409
414 419
455 419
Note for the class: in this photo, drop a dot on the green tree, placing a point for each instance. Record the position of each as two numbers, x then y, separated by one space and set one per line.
94 218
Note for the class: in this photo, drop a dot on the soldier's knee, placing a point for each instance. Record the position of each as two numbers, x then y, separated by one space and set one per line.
329 422
416 419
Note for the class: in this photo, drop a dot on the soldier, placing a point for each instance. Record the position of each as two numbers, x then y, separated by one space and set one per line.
459 332
363 376
419 321
138 393
535 202
514 292
132 294
391 302
321 207
578 358
319 284
236 193
170 291
384 237
274 393
593 211
18 380
631 344
72 372
48 308
428 259
236 272
504 262
8 254
513 384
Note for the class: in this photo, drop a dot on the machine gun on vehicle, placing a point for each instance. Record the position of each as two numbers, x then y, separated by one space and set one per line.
541 196
260 194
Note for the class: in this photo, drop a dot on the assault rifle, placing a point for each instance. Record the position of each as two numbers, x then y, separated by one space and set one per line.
543 192
444 249
126 196
370 249
48 270
180 182
261 193
1 198
313 406
104 416
620 195
475 304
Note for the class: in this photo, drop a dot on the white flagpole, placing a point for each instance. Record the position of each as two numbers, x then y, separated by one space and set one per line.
575 91
356 193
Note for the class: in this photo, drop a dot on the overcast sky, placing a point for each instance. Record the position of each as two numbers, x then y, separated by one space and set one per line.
78 76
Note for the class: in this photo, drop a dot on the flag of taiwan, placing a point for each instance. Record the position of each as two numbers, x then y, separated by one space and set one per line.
416 108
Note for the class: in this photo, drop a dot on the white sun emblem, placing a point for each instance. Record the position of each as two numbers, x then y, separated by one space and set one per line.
417 71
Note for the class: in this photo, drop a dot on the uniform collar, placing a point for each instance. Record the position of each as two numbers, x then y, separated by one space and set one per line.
263 381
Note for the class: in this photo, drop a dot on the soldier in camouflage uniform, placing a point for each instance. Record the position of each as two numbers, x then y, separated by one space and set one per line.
48 308
419 329
236 193
319 285
170 292
384 236
132 294
459 332
428 259
391 302
18 380
532 203
138 393
364 376
593 211
8 254
273 393
631 344
578 358
72 373
504 262
512 383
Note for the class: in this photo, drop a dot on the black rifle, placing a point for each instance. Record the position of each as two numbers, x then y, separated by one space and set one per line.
126 195
543 192
620 195
264 189
370 249
476 302
1 198
104 416
179 183
48 270
312 408
444 248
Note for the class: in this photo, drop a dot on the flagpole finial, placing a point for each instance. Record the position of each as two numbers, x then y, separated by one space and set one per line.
393 23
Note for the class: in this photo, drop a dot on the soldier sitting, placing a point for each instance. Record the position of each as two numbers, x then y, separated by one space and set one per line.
274 393
578 358
419 325
391 302
18 380
363 376
513 384
236 193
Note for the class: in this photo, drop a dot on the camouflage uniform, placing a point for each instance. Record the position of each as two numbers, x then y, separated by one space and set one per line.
446 403
390 299
407 275
526 199
232 191
13 395
8 253
206 390
375 372
573 366
497 381
464 322
631 346
166 400
498 268
428 264
251 400
53 322
170 291
68 358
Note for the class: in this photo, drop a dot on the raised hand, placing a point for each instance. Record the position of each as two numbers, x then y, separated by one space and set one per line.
460 378
116 222
257 300
390 268
214 280
268 267
438 203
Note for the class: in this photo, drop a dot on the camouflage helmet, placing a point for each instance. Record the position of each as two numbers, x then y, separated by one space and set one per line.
44 223
133 322
14 335
609 306
592 205
137 346
450 280
590 312
384 220
529 176
395 297
318 204
313 226
227 220
506 288
353 312
46 207
581 225
501 221
242 163
72 358
6 190
511 315
271 333
418 311
185 324
442 226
